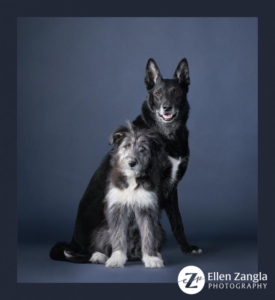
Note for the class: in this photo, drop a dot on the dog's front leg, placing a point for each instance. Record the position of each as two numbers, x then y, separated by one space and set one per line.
151 237
117 221
173 213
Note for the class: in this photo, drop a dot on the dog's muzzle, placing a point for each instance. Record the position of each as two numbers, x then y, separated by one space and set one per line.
167 113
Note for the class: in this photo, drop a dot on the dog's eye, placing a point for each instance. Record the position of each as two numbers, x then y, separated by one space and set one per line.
128 146
176 92
142 148
158 94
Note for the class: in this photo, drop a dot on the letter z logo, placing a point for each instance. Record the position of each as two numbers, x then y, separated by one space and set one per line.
191 280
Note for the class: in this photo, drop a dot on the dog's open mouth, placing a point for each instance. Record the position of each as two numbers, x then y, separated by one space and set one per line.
167 117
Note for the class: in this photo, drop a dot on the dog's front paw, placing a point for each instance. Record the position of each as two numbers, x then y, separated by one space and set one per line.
117 260
153 261
98 258
192 250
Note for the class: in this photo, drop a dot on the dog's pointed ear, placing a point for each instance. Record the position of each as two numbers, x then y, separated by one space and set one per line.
118 135
152 74
182 73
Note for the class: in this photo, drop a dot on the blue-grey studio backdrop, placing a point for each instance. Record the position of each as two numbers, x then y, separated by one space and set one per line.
79 78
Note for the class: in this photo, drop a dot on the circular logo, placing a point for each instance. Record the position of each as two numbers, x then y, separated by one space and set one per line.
191 280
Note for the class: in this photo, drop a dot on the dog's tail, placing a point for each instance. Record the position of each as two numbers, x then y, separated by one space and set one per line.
70 252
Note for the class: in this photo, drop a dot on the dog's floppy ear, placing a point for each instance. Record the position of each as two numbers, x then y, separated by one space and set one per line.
182 73
152 74
118 135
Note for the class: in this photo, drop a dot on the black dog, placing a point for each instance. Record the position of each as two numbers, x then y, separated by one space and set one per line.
130 228
165 109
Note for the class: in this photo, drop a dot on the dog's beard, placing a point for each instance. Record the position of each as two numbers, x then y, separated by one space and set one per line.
136 171
131 172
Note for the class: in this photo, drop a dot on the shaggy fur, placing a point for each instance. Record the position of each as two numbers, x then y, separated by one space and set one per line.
130 228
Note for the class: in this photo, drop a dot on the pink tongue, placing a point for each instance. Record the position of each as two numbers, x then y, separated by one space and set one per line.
167 116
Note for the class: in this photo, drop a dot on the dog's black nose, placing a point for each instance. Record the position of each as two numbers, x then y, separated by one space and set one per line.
166 107
132 163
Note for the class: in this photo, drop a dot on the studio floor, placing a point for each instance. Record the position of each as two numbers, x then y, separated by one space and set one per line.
34 264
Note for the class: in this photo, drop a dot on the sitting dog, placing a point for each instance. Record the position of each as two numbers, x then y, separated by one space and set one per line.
165 109
130 228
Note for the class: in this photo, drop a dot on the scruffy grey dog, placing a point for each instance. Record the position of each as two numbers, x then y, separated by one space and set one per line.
131 228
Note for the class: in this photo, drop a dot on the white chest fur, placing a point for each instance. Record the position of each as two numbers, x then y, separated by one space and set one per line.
175 166
131 197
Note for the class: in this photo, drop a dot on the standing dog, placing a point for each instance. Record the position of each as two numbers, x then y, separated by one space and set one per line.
130 228
166 108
